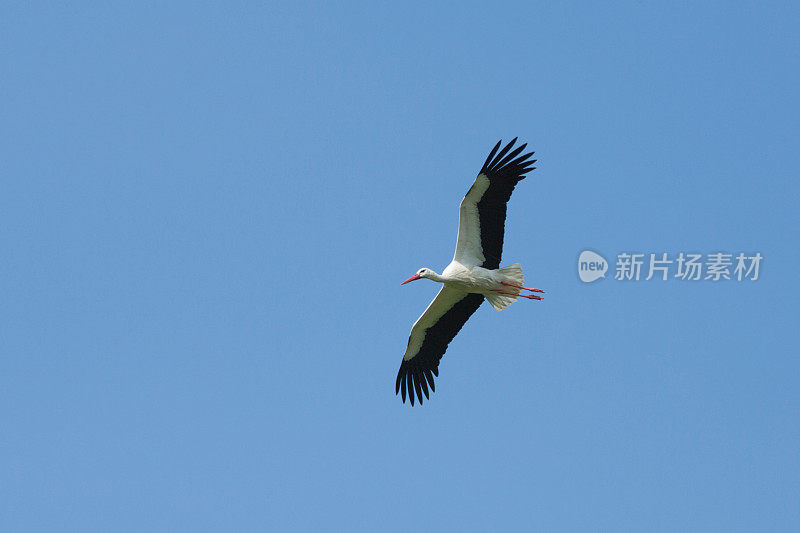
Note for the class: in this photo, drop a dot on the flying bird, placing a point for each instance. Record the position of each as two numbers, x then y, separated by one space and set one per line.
474 273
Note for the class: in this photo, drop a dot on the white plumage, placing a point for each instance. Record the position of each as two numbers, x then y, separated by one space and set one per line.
473 274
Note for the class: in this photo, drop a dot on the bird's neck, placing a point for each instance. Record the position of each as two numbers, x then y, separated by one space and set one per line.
436 277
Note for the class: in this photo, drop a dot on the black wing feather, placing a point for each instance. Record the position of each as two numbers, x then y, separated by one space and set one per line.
417 387
503 152
437 337
424 383
512 155
503 172
429 378
494 150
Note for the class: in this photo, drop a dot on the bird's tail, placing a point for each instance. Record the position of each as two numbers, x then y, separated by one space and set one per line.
511 274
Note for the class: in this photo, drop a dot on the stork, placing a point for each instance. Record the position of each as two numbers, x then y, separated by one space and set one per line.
473 274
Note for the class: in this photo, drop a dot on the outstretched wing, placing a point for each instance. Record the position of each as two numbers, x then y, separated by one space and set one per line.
431 334
482 217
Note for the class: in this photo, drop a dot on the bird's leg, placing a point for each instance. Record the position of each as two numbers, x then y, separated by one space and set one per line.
528 296
521 287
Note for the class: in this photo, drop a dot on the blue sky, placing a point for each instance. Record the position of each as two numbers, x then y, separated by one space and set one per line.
207 211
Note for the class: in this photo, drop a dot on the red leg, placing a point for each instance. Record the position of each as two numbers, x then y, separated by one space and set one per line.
530 297
520 287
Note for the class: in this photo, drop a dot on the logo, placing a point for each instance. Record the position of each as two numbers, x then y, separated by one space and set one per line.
664 266
591 266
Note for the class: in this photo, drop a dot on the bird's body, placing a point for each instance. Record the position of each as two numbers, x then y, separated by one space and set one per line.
478 280
472 275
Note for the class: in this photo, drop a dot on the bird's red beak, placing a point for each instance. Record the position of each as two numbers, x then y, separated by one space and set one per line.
412 278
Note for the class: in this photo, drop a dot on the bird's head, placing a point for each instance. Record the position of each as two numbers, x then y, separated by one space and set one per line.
421 273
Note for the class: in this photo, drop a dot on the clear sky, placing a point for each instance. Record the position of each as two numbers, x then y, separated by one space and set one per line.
206 213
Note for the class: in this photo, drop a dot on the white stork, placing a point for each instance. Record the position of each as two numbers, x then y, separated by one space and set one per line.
474 273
